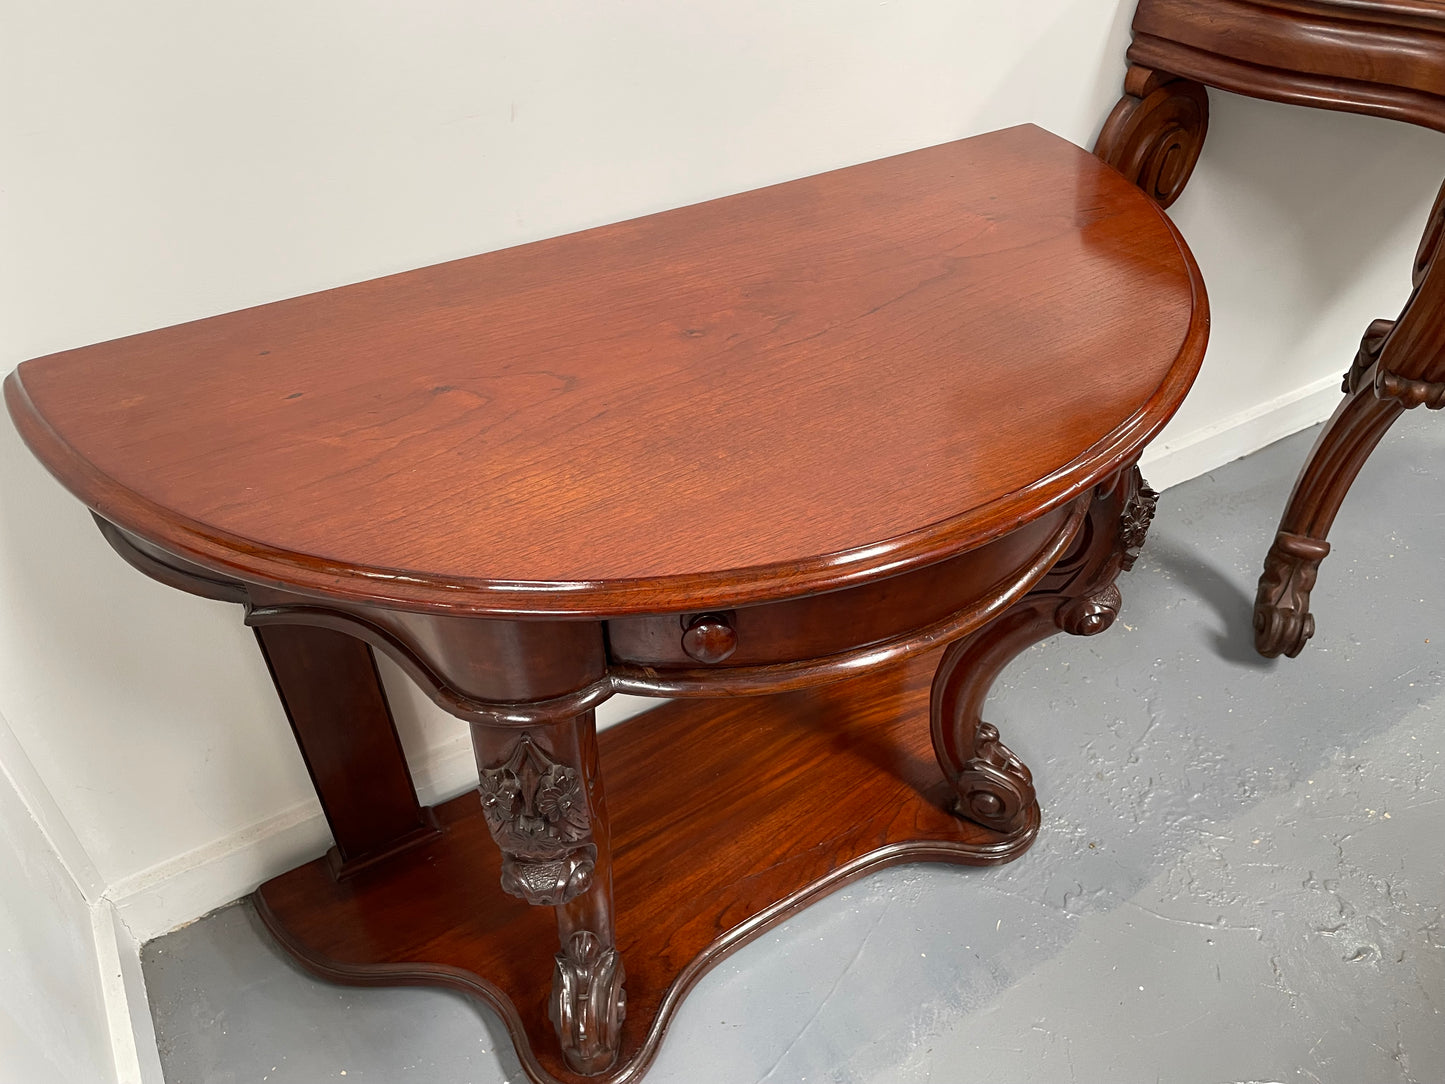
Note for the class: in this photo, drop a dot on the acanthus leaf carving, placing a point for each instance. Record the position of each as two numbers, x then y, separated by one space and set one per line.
589 1002
1368 353
553 882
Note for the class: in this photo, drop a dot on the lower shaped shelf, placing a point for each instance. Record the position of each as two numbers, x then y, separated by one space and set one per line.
727 816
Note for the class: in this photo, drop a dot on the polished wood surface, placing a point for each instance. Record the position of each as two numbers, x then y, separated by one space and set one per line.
1383 58
726 815
787 443
827 368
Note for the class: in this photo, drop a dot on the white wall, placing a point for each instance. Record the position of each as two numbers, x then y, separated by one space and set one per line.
53 1024
165 160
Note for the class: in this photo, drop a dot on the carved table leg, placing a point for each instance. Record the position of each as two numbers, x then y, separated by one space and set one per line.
1282 619
1400 364
1156 131
992 785
333 698
541 794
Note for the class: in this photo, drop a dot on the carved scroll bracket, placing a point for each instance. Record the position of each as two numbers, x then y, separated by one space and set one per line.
1156 131
536 809
1410 392
1090 615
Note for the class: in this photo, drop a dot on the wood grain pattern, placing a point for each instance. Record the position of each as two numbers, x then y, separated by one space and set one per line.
821 366
726 817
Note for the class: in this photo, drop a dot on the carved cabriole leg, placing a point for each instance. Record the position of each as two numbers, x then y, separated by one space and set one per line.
1400 365
541 794
1282 619
1156 131
992 786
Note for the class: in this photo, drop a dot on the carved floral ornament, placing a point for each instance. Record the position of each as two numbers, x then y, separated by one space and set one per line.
1134 528
536 810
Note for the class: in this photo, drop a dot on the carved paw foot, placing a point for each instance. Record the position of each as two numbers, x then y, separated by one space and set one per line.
995 788
1282 619
588 1003
1154 135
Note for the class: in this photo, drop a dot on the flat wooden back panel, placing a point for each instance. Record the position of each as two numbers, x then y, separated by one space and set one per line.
767 393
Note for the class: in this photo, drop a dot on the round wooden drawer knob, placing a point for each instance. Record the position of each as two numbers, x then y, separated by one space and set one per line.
710 638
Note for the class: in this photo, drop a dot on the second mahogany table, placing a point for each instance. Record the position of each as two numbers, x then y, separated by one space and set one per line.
792 443
1384 58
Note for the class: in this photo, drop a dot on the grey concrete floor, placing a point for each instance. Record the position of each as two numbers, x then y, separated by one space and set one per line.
1240 875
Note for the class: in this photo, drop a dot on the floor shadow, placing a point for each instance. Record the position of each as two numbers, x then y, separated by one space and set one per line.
1234 606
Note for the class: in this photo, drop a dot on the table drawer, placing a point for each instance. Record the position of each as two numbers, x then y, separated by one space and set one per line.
819 626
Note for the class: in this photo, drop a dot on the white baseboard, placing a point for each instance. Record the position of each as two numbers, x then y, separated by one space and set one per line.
1172 460
127 1009
117 951
178 891
182 889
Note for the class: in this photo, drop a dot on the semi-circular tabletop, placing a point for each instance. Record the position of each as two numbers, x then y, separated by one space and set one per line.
770 394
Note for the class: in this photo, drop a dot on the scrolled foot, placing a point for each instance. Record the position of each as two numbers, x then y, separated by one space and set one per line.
1283 623
588 1003
1156 131
995 788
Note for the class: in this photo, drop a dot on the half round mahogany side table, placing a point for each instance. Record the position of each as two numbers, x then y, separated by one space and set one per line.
792 443
1385 58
